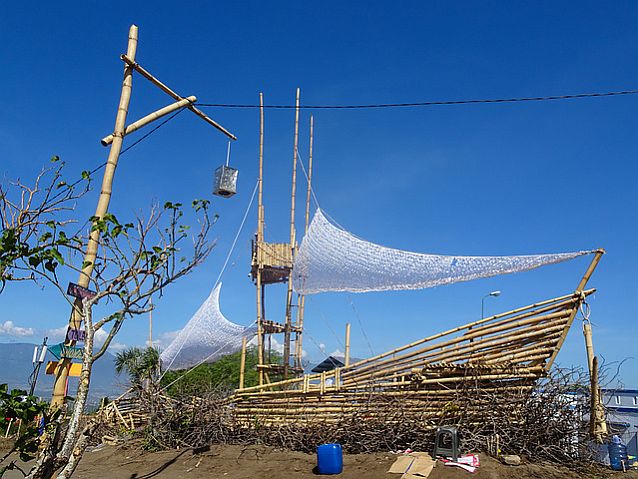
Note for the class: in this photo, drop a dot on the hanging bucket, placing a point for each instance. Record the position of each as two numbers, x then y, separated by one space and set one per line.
225 181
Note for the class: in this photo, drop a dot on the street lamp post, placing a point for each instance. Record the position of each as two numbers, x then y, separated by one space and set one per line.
493 293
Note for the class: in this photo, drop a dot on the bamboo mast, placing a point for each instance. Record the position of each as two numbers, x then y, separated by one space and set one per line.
292 242
260 239
75 321
579 291
302 298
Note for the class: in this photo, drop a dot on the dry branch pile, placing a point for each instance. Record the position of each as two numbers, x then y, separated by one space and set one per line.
546 424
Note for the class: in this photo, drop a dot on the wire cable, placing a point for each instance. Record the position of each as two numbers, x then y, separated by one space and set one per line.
219 277
426 103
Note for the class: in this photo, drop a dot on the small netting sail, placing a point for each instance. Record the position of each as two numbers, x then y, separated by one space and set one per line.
332 259
206 337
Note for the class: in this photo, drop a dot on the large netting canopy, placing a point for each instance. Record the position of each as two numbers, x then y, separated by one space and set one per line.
206 337
332 259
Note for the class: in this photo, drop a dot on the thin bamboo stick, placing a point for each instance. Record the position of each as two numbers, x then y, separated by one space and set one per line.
301 298
242 363
260 239
347 351
107 140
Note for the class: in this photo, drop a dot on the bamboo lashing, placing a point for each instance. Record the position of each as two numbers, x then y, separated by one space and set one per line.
130 61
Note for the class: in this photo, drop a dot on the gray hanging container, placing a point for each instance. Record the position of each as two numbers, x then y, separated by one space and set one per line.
225 181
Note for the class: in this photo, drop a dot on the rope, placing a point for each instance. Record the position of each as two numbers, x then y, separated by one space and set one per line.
303 168
132 145
228 154
365 335
230 252
425 103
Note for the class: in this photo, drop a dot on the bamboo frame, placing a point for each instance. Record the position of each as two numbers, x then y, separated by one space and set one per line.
138 68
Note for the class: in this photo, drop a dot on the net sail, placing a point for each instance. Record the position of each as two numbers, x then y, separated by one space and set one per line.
332 259
206 337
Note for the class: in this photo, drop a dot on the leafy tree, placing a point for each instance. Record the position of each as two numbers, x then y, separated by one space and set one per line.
141 365
222 375
15 406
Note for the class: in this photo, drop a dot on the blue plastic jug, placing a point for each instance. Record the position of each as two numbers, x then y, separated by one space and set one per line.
617 454
329 459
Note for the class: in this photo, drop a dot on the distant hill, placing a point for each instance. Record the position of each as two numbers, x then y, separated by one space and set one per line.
16 367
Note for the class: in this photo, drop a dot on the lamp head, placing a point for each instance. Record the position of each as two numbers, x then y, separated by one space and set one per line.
495 293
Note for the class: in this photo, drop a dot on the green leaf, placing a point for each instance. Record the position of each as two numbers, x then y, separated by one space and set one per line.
86 175
55 158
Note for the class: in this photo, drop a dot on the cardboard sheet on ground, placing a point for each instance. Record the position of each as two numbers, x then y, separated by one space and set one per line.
414 465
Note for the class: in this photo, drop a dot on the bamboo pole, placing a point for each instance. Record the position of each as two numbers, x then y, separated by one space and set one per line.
589 346
107 140
242 363
75 321
347 348
260 239
581 293
289 295
302 299
131 63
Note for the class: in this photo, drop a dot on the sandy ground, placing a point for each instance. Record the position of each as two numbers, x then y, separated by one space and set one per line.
238 462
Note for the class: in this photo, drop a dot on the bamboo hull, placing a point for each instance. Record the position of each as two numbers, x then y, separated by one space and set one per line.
448 376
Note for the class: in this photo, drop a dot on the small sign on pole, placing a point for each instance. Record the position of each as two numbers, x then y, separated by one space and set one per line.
61 351
74 369
75 335
81 292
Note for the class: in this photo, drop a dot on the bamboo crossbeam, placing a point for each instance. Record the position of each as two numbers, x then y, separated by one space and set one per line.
107 140
137 67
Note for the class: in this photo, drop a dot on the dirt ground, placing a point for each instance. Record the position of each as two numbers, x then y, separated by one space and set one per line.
239 462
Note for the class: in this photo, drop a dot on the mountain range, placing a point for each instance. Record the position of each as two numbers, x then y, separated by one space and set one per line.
16 368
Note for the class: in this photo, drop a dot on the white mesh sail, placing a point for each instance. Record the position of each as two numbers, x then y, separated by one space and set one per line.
331 259
206 337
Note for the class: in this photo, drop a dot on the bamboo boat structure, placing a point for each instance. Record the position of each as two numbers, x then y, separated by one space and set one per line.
456 373
507 352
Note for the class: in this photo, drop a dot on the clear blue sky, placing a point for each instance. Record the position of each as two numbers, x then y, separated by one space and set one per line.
482 179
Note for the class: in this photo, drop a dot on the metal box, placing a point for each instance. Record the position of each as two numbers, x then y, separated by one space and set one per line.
225 181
